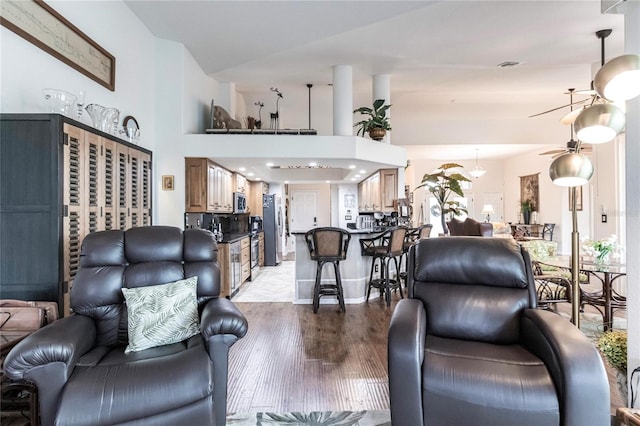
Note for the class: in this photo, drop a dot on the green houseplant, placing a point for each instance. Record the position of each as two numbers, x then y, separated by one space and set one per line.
377 124
442 183
613 344
526 206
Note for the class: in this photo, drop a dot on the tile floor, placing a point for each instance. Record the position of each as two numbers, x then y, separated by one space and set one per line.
273 284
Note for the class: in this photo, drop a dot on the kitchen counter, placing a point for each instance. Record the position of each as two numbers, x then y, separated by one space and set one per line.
232 237
354 270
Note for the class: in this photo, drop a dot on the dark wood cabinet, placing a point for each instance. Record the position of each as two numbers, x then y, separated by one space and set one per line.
62 180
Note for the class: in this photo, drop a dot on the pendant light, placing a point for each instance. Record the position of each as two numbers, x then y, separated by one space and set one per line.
600 123
477 171
619 79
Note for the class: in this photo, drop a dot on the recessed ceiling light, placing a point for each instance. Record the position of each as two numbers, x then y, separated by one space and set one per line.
327 181
259 178
357 176
507 64
313 164
363 171
286 181
249 174
352 166
353 179
242 169
269 164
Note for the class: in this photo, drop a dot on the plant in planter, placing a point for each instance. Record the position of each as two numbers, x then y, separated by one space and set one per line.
377 124
442 183
613 344
526 207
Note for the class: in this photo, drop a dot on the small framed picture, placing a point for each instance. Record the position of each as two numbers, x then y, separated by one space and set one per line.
167 182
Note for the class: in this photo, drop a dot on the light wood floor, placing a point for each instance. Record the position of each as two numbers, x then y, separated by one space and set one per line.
293 360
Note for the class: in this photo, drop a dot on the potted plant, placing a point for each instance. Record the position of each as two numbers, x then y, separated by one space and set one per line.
377 124
526 206
443 182
613 344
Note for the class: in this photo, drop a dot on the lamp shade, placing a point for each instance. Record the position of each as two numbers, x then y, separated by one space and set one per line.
599 123
477 172
487 209
619 79
571 169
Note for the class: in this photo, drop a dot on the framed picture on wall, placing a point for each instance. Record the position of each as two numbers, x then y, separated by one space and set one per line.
167 183
529 190
578 198
40 24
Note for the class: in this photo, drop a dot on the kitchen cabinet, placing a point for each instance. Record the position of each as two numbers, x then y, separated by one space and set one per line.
241 183
258 189
62 180
245 259
378 191
261 250
208 187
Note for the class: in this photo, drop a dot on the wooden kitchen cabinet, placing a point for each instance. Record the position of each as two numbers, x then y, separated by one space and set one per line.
208 187
245 259
224 260
61 181
258 189
378 191
261 250
241 183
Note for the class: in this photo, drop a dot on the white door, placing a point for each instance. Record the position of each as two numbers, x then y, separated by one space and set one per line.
304 210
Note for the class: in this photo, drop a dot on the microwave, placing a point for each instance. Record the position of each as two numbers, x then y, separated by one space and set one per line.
239 203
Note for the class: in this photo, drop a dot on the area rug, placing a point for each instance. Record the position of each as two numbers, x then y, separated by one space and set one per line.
314 418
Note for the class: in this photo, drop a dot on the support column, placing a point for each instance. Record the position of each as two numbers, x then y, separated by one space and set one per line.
382 90
227 97
342 100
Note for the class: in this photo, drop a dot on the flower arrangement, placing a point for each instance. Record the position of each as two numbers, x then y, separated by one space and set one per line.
613 344
602 249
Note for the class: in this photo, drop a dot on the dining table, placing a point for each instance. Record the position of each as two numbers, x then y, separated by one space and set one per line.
606 298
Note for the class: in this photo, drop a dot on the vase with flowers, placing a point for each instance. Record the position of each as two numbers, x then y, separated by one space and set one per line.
602 250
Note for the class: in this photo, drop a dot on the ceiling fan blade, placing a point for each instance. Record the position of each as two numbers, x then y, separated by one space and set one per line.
559 154
560 107
553 151
589 92
571 117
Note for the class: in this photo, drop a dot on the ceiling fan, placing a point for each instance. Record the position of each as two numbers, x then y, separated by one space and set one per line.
572 144
593 98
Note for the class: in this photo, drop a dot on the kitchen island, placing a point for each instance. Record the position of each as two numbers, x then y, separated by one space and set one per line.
354 271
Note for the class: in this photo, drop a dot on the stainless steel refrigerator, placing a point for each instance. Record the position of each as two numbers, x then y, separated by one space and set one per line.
273 226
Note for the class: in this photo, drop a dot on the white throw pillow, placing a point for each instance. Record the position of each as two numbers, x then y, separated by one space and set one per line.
161 314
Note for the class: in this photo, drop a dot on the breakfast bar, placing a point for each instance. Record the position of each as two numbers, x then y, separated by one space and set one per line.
354 270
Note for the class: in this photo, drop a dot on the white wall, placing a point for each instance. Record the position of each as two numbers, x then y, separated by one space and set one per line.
27 69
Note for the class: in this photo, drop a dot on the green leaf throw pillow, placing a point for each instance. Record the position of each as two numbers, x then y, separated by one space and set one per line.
161 314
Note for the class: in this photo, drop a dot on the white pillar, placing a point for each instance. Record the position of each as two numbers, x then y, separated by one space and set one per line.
382 90
227 97
342 100
632 158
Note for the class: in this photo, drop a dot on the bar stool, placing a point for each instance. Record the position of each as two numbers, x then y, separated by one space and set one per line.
328 245
414 234
390 249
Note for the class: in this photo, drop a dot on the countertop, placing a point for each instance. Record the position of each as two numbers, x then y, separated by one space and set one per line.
232 237
376 230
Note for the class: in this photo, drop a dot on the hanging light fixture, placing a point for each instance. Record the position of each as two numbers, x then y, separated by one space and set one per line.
603 122
571 169
599 123
619 79
477 171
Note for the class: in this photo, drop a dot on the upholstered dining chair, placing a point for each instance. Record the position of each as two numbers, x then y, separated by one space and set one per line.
148 339
468 345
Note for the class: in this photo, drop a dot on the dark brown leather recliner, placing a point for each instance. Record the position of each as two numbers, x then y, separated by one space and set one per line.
468 346
78 363
469 227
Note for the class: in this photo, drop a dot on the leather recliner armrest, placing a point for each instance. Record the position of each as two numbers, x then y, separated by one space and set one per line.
406 340
574 364
48 356
221 316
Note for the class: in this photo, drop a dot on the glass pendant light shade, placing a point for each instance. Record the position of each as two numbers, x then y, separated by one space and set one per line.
571 169
477 171
599 123
619 79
